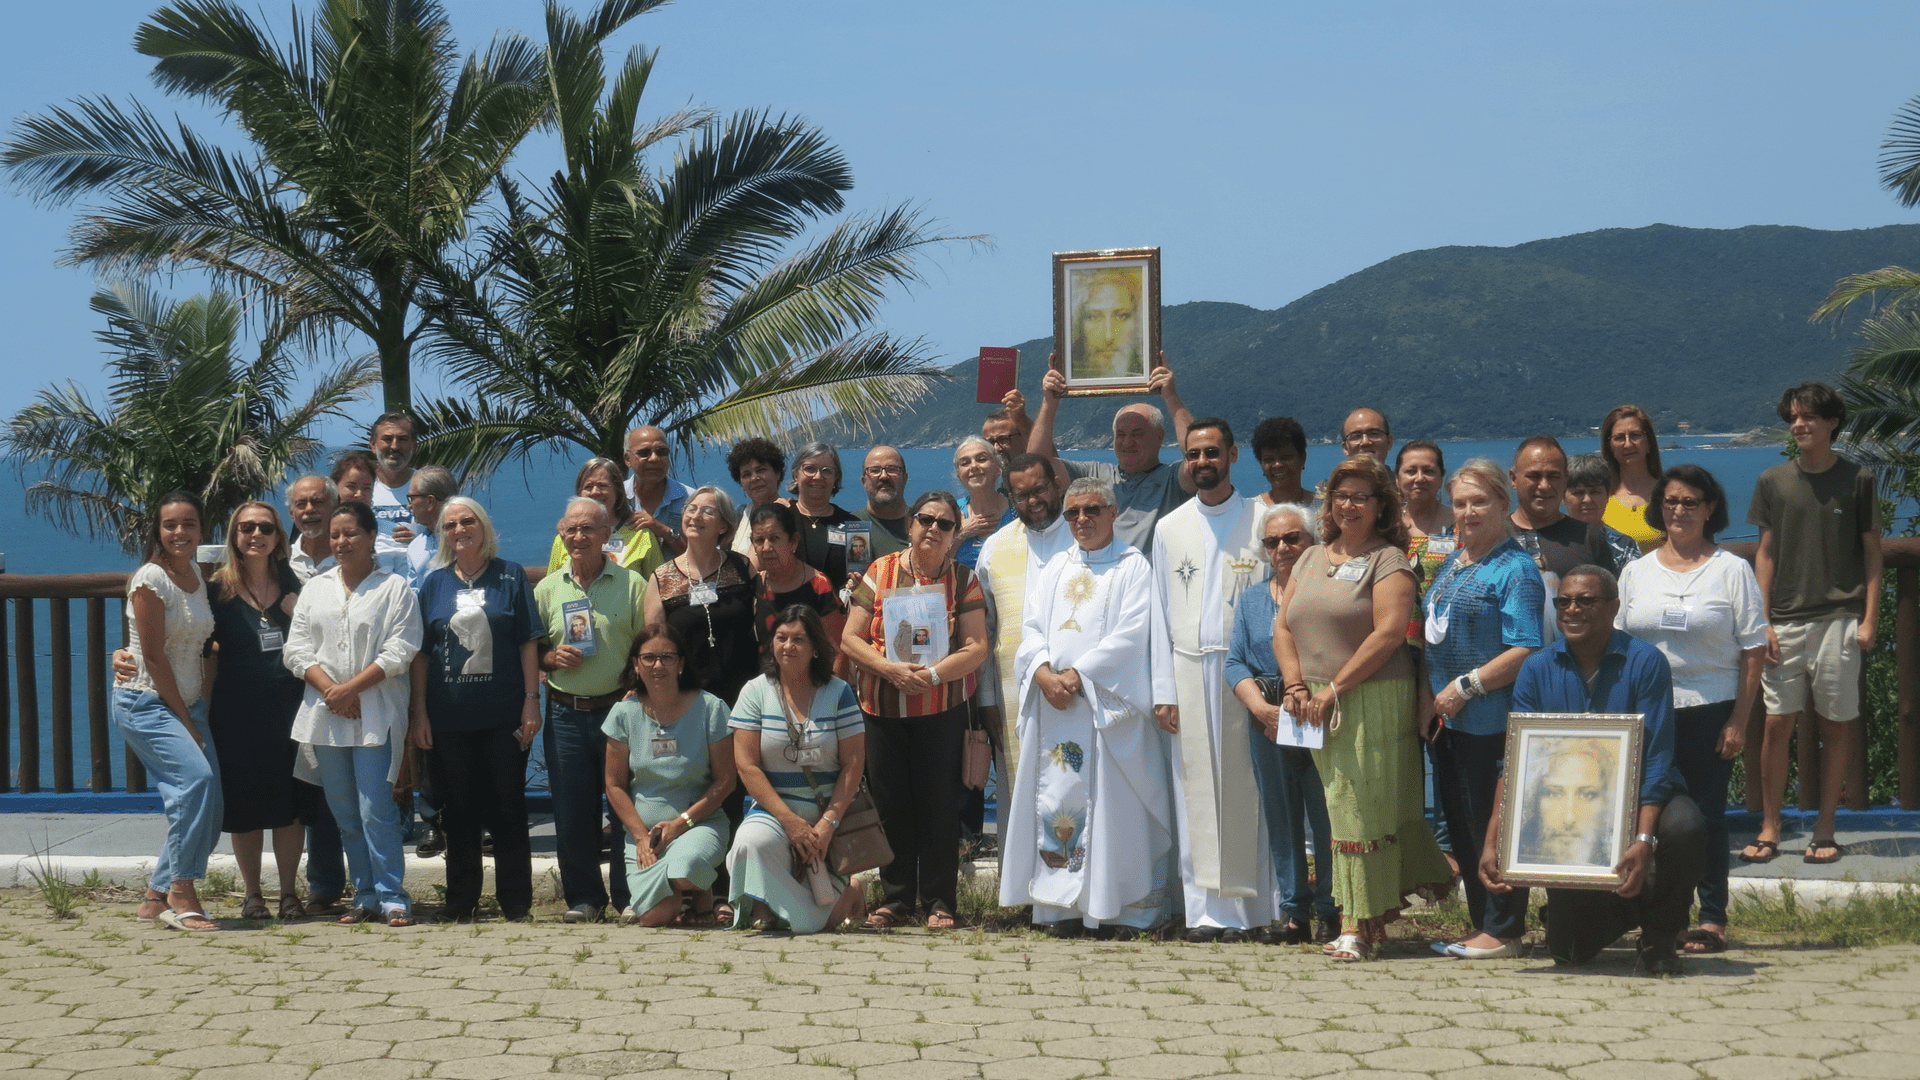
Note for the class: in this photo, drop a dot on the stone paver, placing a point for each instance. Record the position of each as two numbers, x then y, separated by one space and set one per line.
101 995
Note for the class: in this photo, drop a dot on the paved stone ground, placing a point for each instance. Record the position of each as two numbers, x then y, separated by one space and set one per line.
101 995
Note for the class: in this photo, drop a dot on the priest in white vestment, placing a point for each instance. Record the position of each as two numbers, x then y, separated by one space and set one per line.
1205 555
1087 834
1009 561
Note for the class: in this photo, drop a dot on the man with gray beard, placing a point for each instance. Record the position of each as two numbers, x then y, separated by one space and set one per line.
310 502
884 476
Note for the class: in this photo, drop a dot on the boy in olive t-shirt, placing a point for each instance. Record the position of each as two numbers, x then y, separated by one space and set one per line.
1819 569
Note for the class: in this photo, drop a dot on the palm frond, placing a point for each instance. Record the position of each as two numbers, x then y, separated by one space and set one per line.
1900 154
1903 283
860 381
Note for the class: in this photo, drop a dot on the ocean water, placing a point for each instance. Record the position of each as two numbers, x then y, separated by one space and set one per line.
525 501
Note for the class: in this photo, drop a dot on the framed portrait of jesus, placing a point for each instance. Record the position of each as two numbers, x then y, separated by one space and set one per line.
1106 318
1572 792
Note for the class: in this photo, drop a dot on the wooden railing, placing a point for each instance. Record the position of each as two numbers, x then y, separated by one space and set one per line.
94 590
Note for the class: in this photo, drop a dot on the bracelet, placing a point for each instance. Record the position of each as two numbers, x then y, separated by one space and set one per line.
832 823
1474 678
685 818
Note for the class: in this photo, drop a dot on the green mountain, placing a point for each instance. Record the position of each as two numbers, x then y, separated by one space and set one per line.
1705 326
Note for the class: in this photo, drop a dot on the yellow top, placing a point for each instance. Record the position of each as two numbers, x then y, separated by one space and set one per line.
639 551
1633 521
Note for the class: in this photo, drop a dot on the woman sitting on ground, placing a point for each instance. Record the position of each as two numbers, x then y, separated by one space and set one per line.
801 752
669 768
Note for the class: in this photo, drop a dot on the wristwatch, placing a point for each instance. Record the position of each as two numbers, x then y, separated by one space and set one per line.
1648 839
933 673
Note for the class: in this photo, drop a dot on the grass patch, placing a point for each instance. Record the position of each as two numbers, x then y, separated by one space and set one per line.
1868 918
57 891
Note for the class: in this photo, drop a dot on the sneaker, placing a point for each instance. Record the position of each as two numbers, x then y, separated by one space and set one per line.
582 913
628 916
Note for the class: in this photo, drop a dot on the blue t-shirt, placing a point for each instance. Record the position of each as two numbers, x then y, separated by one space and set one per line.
968 553
1477 612
1633 677
1251 653
834 715
473 638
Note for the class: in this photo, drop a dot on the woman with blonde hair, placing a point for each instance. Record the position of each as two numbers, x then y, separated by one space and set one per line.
253 703
1341 643
1633 457
983 509
1483 619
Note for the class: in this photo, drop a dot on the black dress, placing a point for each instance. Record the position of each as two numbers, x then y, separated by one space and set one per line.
251 713
723 650
817 548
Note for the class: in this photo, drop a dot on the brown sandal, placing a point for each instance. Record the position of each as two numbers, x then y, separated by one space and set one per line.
884 918
254 907
941 920
291 908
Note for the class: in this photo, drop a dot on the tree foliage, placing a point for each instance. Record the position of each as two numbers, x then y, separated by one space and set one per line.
184 411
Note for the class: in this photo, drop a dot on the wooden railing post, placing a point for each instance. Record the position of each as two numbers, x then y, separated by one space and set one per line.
6 705
1906 662
1751 756
60 641
98 752
27 678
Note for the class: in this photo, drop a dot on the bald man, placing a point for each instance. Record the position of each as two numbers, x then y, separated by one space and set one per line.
657 498
1145 489
1366 431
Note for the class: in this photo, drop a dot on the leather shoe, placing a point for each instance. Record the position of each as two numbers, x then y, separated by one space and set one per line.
1201 935
1066 928
1235 936
435 843
1327 932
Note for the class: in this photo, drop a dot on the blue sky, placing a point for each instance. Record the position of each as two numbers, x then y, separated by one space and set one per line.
1268 148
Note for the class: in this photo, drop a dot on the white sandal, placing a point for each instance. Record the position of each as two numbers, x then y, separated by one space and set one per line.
1348 948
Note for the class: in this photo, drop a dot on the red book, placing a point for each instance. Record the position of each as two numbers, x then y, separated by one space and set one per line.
999 373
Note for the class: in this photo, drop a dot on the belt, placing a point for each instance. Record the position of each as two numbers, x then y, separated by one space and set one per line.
583 703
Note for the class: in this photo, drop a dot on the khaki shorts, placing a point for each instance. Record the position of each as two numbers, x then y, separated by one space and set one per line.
1819 659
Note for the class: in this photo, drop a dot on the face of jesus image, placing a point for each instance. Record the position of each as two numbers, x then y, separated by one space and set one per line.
1569 805
1106 324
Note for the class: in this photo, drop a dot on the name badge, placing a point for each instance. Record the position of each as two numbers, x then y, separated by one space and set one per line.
666 746
470 598
271 637
837 537
615 546
1674 618
1351 570
1441 545
703 593
812 757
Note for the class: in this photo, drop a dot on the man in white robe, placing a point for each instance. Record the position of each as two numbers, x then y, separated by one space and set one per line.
1088 829
1009 561
1206 553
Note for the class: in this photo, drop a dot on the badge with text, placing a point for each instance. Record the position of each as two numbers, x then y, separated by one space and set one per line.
665 745
272 639
1351 570
702 593
1675 619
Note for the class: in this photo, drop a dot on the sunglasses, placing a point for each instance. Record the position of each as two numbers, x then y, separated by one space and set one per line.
1075 513
1562 603
928 521
1683 503
1210 453
266 527
1292 539
650 452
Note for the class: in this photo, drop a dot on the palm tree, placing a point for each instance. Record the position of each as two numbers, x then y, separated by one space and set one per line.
371 147
183 412
1882 384
624 295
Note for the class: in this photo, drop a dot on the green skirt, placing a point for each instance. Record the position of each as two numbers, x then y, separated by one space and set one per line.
1376 802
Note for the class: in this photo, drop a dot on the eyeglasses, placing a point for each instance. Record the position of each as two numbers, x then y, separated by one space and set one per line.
815 472
1629 435
1211 453
267 528
1362 435
1292 539
884 470
1683 503
1030 493
1350 498
928 521
1075 513
574 532
657 659
703 511
421 496
646 452
1001 441
1562 603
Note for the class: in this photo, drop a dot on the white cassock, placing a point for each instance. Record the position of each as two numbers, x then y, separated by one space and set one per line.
1010 560
1203 558
1088 831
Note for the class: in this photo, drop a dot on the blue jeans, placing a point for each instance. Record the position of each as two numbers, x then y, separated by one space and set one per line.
326 857
1466 770
576 750
1696 753
187 775
361 798
1293 801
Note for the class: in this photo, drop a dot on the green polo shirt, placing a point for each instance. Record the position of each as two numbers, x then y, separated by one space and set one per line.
619 614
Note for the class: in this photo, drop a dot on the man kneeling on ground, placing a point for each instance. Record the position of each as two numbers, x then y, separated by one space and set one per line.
1597 669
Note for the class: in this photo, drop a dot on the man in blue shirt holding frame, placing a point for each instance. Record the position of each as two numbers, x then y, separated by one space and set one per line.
1594 668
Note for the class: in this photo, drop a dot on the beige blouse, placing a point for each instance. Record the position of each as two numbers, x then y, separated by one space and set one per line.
1331 616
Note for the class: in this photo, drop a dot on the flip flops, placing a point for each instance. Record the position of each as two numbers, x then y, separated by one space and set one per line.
1708 941
1838 851
1770 850
177 920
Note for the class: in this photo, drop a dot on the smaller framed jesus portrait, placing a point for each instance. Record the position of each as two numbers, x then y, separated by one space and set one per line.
1572 792
1106 318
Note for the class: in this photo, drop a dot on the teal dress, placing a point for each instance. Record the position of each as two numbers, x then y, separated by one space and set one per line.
672 766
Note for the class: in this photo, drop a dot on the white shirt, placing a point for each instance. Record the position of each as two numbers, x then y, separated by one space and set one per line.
420 552
1700 619
378 623
306 566
189 623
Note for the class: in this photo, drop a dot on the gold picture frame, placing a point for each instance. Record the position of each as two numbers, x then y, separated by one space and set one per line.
1106 319
1571 798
